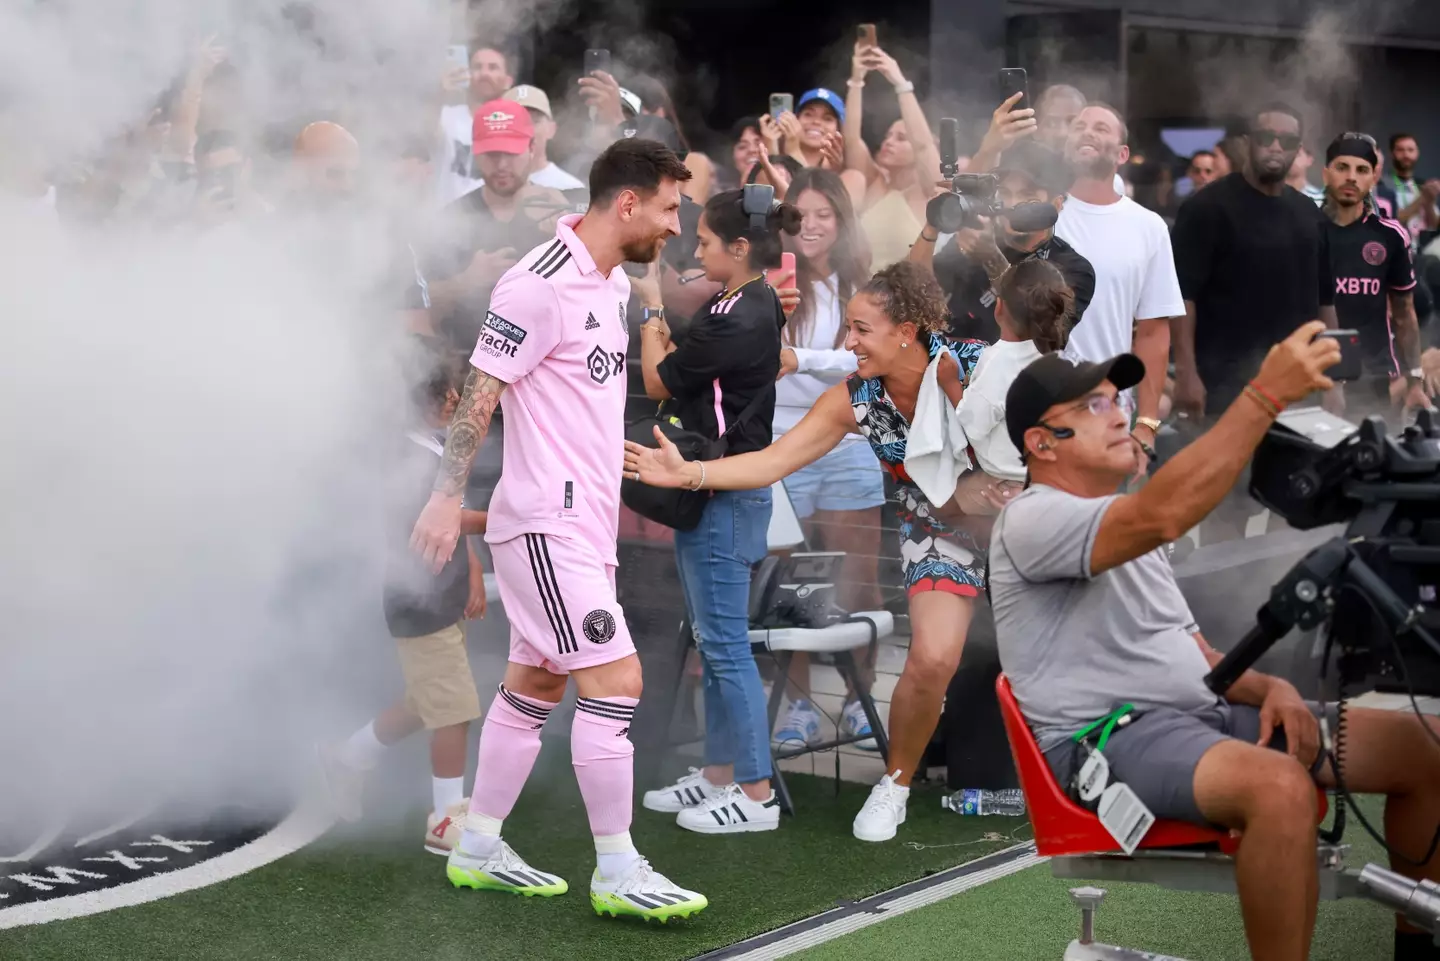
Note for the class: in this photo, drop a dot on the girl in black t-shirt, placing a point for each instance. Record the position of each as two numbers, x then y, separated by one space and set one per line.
730 358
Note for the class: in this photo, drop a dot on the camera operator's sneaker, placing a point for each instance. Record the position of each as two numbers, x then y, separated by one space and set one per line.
732 812
690 790
502 871
442 834
643 892
883 812
854 723
799 725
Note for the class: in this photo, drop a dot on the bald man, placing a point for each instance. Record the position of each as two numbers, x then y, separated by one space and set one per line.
327 158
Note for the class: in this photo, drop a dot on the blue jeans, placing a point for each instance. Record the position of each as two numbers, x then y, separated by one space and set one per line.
715 560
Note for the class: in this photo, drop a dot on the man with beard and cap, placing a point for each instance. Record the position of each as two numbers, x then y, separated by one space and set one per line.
553 344
1088 617
1136 292
480 233
1374 276
1253 263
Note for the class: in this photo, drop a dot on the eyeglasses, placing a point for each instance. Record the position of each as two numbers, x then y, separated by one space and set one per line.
1264 138
1097 404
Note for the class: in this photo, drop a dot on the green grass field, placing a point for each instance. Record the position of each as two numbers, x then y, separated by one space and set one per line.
357 896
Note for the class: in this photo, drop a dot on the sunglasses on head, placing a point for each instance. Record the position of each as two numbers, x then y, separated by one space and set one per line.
1356 135
1264 138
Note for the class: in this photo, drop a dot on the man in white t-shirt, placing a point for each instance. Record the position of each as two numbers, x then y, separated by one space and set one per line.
544 172
1136 289
490 76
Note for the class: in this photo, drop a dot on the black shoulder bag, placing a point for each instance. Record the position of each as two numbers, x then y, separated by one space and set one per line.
677 507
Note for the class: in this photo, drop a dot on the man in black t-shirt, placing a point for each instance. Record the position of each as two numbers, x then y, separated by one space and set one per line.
1253 264
968 266
1374 276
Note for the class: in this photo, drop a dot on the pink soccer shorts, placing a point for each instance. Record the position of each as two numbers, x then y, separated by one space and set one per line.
560 601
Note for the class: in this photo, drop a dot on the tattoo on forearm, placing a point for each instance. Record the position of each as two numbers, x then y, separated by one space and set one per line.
467 431
1407 330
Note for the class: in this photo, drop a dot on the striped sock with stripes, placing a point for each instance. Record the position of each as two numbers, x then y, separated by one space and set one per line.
509 744
603 757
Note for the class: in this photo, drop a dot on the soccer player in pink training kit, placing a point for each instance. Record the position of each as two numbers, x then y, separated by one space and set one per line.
553 344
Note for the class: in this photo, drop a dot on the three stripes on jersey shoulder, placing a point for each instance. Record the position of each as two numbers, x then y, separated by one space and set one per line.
557 255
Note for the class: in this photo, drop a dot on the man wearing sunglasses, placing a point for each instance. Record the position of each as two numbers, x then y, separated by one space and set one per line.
1250 253
1088 617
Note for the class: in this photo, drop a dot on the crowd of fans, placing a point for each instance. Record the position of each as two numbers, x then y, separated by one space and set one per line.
816 374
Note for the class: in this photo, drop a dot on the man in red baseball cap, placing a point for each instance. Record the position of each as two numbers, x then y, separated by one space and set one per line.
502 138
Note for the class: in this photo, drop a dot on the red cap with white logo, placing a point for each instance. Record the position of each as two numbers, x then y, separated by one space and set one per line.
502 126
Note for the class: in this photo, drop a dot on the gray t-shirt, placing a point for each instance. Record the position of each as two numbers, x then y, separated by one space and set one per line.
1076 646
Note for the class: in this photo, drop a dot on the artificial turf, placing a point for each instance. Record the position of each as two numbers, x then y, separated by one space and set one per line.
1029 917
374 893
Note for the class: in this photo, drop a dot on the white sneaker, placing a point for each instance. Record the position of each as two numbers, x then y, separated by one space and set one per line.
798 726
643 892
344 785
690 790
442 834
502 871
854 723
731 812
883 812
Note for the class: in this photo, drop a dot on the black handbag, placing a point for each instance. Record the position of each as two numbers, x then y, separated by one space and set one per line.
676 508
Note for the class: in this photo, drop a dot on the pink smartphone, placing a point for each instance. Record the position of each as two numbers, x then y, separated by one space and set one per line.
784 275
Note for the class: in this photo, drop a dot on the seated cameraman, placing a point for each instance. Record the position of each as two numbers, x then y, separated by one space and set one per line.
1088 617
970 264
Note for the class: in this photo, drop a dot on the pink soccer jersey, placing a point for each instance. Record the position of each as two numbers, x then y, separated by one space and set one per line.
556 333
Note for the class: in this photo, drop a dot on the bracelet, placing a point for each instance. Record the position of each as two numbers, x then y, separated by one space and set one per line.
929 240
1259 398
854 84
701 482
653 329
1267 396
906 87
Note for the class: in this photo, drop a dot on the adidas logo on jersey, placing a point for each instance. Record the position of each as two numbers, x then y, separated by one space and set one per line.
591 323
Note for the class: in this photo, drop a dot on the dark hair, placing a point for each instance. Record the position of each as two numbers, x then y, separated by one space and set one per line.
909 293
1276 106
506 54
1124 127
728 220
438 373
1202 153
743 124
653 95
633 164
791 165
1041 303
849 258
1397 137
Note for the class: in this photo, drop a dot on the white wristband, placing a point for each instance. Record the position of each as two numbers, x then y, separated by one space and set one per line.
906 87
855 84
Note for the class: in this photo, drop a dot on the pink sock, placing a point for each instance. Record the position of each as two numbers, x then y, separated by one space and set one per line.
604 761
509 744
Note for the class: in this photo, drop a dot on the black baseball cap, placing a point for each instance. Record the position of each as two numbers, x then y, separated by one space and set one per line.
1052 380
1045 167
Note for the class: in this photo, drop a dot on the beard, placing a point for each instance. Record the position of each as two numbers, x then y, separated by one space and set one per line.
1101 166
643 251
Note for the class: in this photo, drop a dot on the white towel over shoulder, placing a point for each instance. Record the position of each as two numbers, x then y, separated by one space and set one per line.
935 450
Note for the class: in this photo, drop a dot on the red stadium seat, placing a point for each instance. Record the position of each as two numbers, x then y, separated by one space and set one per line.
1063 827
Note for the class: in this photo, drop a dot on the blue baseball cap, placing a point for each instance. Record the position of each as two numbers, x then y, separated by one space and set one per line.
830 98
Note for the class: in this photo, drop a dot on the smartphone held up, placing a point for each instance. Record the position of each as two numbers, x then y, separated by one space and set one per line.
781 104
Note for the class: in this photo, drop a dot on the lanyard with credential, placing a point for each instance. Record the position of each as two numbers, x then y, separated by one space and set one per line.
1109 722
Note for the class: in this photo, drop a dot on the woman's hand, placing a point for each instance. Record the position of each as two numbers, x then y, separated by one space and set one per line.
789 363
884 64
860 62
948 369
658 467
789 298
647 288
832 153
790 128
770 133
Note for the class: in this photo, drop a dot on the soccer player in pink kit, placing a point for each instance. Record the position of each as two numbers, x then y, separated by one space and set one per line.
553 344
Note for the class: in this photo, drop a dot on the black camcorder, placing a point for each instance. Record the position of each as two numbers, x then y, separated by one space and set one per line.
1376 587
972 196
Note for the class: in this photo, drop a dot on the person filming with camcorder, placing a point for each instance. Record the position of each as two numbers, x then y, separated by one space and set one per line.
1121 689
997 220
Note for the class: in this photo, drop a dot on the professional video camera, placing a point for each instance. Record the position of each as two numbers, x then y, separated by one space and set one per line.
972 196
1374 588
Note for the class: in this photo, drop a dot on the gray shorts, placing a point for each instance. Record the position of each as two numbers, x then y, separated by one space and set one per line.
1157 754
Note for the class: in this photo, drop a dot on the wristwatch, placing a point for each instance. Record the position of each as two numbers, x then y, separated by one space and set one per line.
1149 422
1416 375
652 313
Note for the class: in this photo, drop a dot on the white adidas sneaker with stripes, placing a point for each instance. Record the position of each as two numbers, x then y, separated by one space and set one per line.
690 790
731 812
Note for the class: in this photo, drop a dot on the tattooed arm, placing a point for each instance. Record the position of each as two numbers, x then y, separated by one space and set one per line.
438 529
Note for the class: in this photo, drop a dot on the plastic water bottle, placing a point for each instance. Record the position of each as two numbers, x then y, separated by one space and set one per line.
974 801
